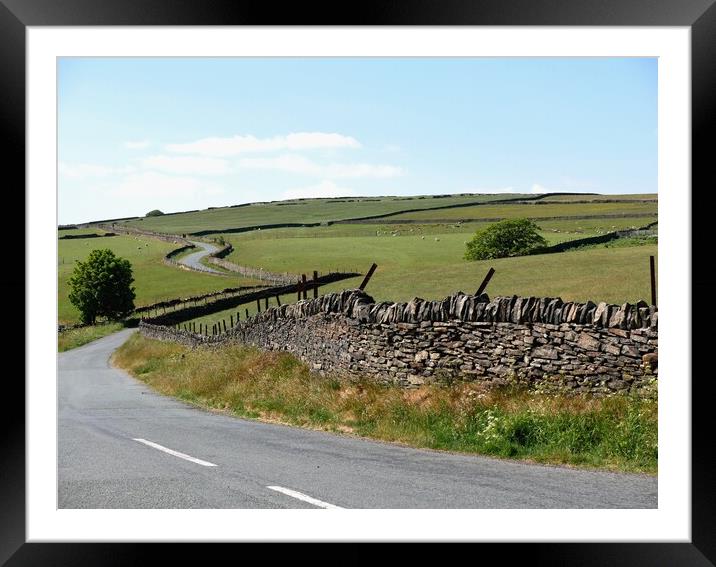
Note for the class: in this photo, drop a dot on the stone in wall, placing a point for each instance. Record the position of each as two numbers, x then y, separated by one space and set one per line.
581 347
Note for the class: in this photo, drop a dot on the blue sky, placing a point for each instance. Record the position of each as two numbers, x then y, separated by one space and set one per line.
189 133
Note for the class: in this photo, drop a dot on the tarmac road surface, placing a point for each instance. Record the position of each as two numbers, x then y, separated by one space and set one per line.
123 446
193 260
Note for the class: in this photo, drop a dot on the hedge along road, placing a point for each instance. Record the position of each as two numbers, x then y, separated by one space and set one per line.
120 445
193 260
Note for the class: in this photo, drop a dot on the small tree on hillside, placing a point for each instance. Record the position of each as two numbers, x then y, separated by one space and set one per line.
513 237
154 213
101 287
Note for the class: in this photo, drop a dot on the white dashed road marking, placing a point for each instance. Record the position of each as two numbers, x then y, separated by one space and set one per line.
301 496
176 453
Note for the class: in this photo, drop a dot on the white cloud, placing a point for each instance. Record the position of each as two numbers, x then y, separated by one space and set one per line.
324 189
223 147
150 184
578 185
85 170
299 164
187 165
138 145
537 188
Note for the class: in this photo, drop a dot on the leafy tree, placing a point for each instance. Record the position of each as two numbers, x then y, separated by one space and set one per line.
513 237
101 287
154 213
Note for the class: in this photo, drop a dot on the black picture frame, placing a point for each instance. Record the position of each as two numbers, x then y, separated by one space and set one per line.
699 15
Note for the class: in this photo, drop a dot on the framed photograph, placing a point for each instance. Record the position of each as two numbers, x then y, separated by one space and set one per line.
331 138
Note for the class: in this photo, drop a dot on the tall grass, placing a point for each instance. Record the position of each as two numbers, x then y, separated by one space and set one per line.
617 433
73 338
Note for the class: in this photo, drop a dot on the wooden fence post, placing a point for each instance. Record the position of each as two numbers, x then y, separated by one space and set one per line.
231 320
247 313
315 283
367 277
224 323
278 301
299 289
201 327
266 303
486 281
258 305
303 285
653 280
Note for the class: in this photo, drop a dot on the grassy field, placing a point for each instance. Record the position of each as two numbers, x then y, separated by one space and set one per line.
533 210
616 433
73 338
415 259
623 197
299 211
154 281
79 232
433 267
321 210
566 229
623 276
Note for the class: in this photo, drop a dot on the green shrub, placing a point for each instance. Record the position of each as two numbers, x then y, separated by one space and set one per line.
101 287
512 237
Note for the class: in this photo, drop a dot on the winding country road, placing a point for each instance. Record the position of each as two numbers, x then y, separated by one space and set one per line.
193 260
123 446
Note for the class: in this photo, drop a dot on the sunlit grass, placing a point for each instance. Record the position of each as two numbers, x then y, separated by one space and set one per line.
73 338
617 433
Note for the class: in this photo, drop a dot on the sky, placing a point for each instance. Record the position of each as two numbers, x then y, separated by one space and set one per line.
137 134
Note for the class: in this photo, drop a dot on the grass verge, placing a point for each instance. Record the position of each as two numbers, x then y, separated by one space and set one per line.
614 433
73 338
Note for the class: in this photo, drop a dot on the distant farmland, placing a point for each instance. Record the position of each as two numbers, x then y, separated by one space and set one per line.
300 211
154 280
418 252
411 266
543 210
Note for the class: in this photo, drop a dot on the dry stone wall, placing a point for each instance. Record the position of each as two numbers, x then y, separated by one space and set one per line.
131 231
217 258
544 342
